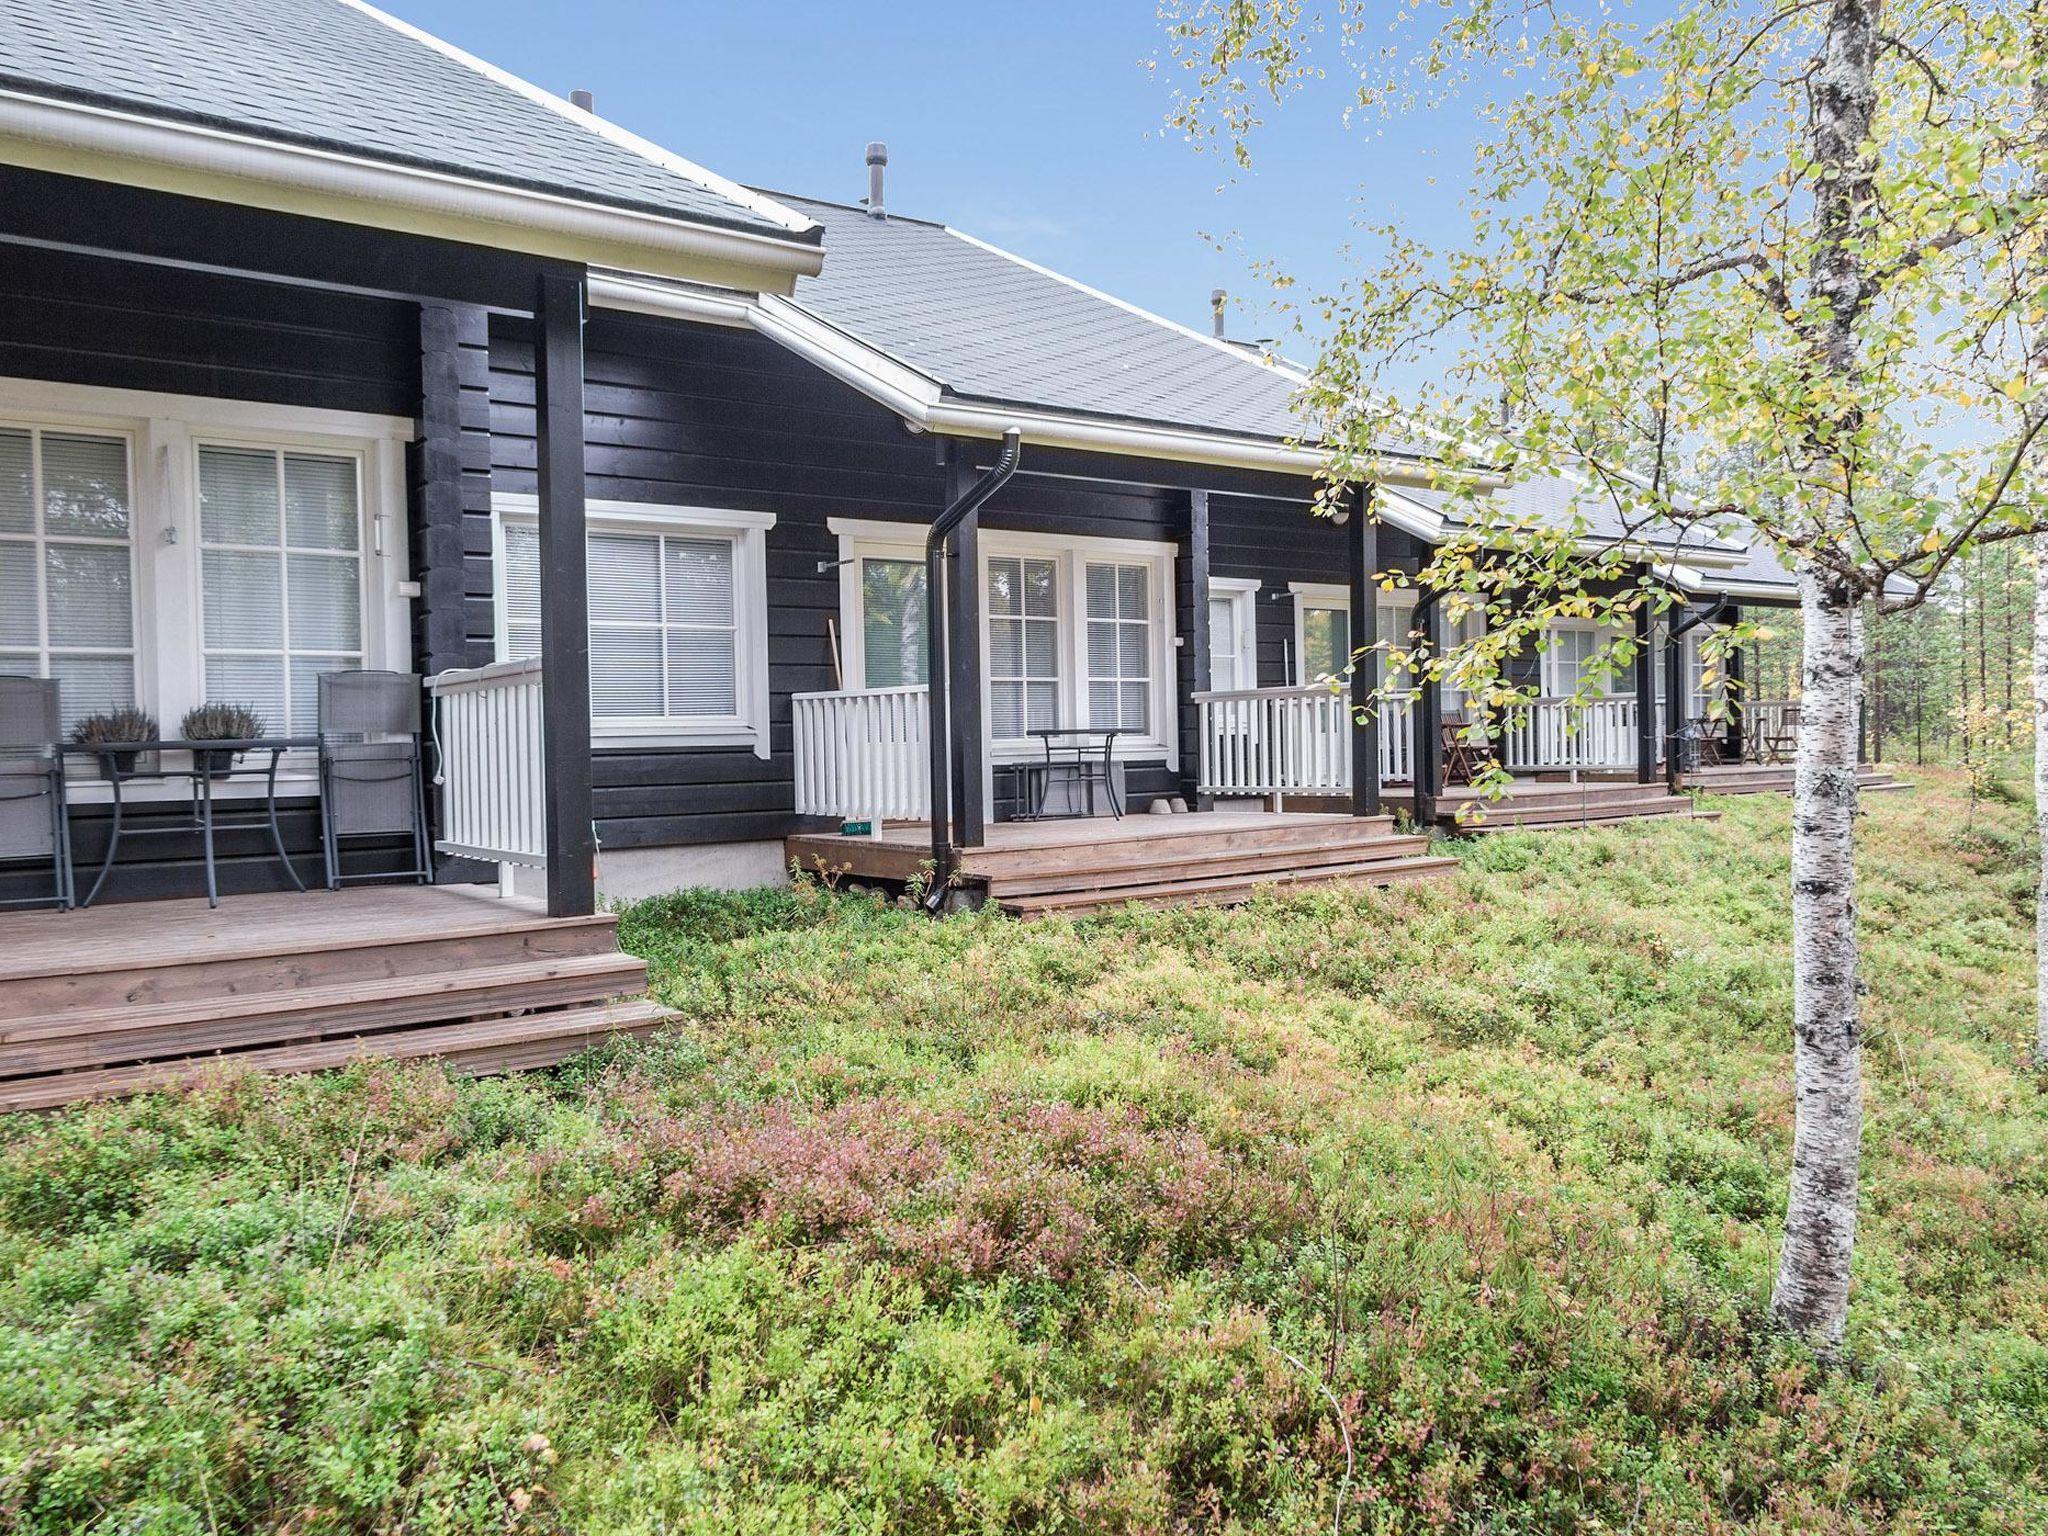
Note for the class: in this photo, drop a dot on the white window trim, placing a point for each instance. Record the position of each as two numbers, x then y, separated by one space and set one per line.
1243 595
1307 595
863 538
164 432
749 727
1552 686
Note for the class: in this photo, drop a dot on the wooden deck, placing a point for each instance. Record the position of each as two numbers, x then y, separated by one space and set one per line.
1541 803
121 999
1033 867
1776 778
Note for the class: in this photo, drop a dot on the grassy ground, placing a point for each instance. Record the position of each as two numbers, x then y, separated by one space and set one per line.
1444 1209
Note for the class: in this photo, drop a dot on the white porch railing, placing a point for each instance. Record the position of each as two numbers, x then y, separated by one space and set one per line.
488 762
1286 741
863 755
1556 733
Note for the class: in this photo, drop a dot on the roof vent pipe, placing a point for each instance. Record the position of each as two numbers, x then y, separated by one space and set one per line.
878 157
1217 299
584 100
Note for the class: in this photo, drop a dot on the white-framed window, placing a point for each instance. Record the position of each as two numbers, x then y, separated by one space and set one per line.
1233 633
67 564
1119 620
167 550
678 618
1569 662
1076 631
1322 632
281 577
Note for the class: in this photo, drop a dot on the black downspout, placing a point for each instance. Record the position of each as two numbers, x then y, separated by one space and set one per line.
1674 683
937 735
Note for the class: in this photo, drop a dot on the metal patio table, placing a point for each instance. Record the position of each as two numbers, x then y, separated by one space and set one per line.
202 777
1082 771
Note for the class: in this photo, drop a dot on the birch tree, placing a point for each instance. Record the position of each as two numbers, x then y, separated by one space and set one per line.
1763 270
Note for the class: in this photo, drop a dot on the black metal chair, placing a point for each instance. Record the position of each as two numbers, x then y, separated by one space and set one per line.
372 769
34 817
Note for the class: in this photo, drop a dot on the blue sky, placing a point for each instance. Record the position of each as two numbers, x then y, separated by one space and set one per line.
1035 126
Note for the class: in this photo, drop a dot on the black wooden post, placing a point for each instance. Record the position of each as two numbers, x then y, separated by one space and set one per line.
1429 715
963 659
1365 671
564 595
1674 705
1646 696
1737 709
1191 578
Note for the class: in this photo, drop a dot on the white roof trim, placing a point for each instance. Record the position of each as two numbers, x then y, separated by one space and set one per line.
920 400
624 138
207 161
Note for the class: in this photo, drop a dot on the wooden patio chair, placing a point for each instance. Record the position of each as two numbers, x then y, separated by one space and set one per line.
1780 741
1705 743
1459 753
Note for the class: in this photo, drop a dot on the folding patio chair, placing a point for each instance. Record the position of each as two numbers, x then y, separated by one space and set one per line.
1460 755
34 820
372 771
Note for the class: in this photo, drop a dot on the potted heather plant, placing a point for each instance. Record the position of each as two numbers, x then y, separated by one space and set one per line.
220 722
110 729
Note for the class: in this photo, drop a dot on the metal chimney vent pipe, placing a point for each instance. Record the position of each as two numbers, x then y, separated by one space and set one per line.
584 100
1217 299
878 158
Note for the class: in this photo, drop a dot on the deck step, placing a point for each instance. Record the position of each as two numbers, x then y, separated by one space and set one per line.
1225 890
1178 842
84 1037
474 1047
1122 865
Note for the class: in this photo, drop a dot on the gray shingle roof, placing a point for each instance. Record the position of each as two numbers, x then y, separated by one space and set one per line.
991 328
327 74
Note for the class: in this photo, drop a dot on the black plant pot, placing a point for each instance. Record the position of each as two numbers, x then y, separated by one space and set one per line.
216 762
117 764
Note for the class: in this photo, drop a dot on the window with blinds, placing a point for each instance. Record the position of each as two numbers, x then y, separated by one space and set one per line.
1023 646
664 638
1119 614
67 583
892 622
281 578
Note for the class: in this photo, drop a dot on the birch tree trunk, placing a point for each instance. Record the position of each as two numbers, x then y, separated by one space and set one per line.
2041 800
1812 1293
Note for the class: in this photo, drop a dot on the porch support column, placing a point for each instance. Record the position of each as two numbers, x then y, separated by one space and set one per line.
1737 710
1191 578
963 658
1365 671
1646 696
564 595
1674 703
1427 753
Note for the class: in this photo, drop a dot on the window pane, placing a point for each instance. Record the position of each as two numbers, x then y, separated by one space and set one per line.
522 590
1102 649
320 502
893 622
327 602
88 685
85 485
702 674
1134 657
244 600
1102 705
1005 647
1044 705
1223 652
1041 648
1137 707
1102 591
699 581
256 682
305 672
1041 588
625 578
89 597
625 672
18 595
1006 711
17 487
1004 584
237 496
1325 642
1131 583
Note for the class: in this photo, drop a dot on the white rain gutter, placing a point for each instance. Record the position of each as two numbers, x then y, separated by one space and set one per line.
80 139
